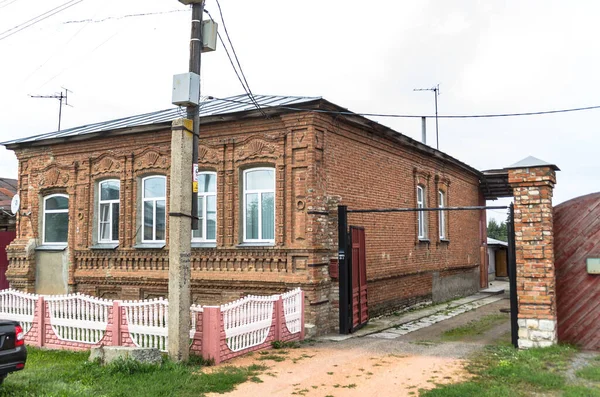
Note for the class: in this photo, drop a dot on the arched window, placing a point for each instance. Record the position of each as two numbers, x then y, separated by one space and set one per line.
207 208
154 191
259 205
56 219
442 214
108 211
421 216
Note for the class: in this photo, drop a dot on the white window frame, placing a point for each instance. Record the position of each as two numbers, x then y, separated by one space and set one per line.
154 200
442 214
204 218
259 192
45 211
421 216
110 211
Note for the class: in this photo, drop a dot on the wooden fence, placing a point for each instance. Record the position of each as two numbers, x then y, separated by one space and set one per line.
78 322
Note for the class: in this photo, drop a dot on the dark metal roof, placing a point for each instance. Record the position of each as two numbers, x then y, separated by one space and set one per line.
494 183
232 108
8 188
211 107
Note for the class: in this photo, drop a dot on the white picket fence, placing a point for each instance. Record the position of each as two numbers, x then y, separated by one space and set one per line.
78 318
148 322
292 310
247 321
18 306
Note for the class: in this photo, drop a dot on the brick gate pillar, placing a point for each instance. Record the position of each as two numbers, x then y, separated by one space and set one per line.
532 186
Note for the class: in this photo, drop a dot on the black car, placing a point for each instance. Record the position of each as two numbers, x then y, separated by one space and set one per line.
13 352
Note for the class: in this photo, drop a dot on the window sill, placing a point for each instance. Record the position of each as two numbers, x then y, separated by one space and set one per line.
203 244
256 244
156 246
424 240
104 246
444 241
60 247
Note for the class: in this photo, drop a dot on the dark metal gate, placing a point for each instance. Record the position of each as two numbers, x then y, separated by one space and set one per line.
353 270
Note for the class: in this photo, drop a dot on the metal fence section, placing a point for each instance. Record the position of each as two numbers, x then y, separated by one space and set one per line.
247 321
78 318
18 306
147 322
292 310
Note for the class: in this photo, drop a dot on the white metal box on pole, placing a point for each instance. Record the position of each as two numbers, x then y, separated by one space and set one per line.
186 89
209 35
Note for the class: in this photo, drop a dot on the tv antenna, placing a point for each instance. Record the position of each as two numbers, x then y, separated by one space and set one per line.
60 98
436 92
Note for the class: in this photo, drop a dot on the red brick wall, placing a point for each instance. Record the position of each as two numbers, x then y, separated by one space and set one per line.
367 171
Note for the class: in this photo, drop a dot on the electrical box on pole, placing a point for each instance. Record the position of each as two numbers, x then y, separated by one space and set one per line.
209 35
186 89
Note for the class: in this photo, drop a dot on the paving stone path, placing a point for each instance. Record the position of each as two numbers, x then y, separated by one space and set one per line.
403 329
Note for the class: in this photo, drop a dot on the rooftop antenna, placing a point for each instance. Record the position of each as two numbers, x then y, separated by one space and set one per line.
60 98
436 92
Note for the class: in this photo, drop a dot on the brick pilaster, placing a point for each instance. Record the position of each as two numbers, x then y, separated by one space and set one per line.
534 242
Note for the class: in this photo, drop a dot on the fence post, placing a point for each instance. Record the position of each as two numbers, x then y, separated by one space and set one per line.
41 309
116 325
302 315
211 333
278 315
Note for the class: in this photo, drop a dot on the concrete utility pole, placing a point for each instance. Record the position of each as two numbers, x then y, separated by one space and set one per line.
183 215
180 238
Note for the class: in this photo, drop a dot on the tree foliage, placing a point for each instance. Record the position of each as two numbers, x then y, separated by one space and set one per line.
496 230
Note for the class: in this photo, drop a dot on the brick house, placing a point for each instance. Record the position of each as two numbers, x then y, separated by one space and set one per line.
94 198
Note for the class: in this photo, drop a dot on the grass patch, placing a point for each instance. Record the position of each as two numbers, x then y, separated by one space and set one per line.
285 345
505 371
64 373
475 327
591 372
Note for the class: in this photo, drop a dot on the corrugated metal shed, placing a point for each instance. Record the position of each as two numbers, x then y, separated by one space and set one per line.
212 107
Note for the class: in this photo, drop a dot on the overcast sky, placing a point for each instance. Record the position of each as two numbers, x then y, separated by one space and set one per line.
487 56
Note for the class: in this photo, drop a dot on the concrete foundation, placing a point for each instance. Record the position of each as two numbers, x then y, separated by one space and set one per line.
108 354
454 286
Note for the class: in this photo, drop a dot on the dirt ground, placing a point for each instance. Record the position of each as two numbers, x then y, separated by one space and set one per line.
369 366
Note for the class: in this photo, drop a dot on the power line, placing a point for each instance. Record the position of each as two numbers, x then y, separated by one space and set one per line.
91 20
39 18
7 4
465 116
249 91
250 96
